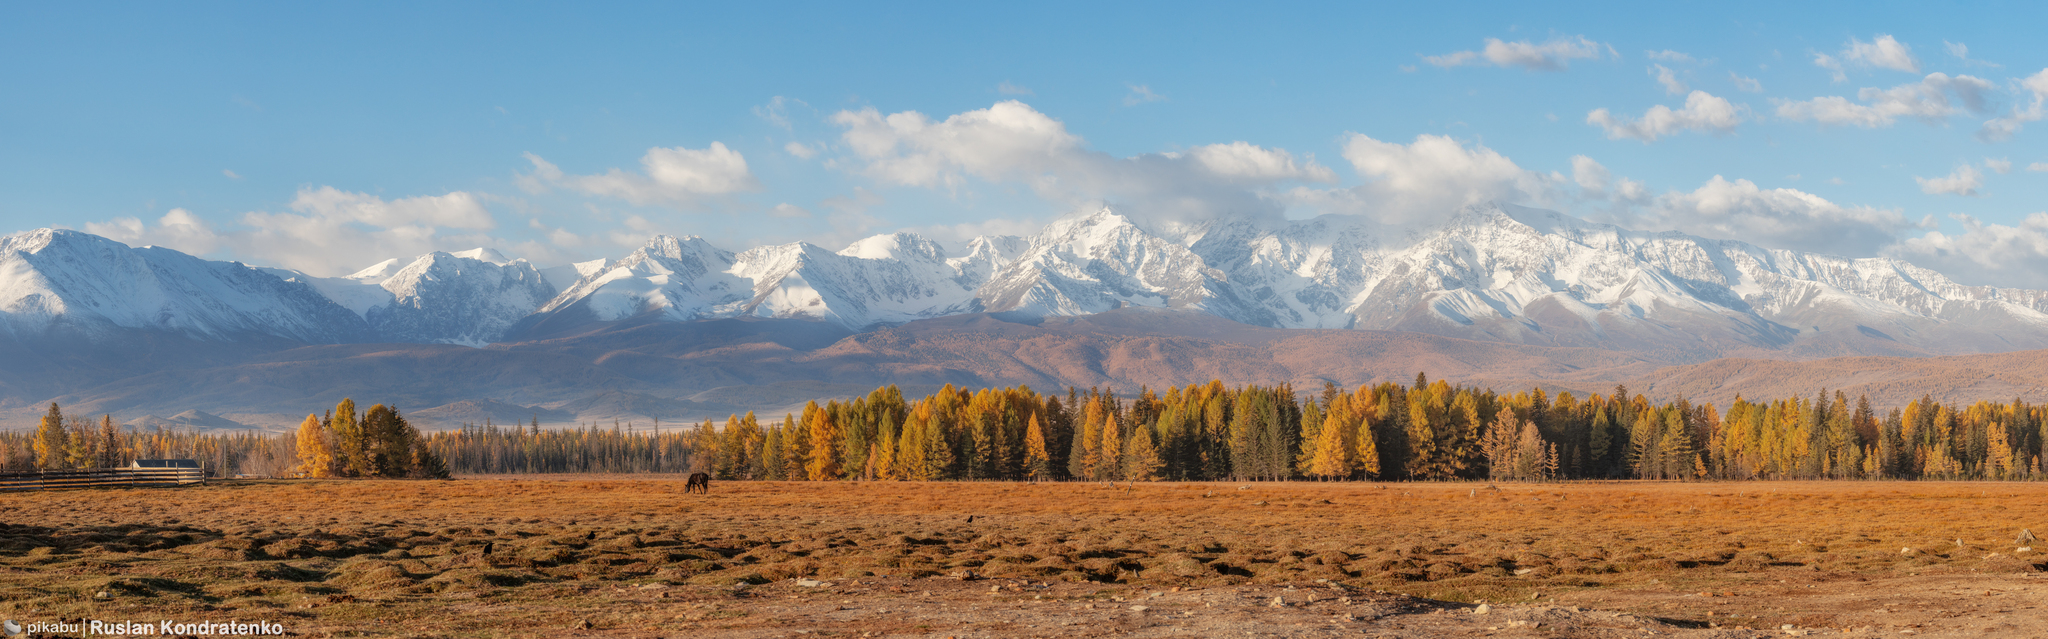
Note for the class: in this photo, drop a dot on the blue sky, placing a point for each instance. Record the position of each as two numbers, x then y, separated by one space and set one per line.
326 138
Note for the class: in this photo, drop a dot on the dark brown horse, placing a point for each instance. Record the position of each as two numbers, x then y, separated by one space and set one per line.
699 483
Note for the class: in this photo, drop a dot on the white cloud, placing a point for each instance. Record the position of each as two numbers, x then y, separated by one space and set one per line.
1782 218
231 174
329 232
1833 66
1668 55
1883 52
670 176
2035 87
2000 166
786 209
1702 112
1426 179
1929 99
800 150
1141 94
1589 174
1600 184
1993 254
1010 89
1243 160
1750 85
1666 77
1010 142
1555 55
1962 52
1965 180
2038 167
178 229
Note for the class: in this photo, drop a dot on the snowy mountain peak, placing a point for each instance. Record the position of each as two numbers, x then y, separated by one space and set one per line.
1495 272
903 245
377 273
483 254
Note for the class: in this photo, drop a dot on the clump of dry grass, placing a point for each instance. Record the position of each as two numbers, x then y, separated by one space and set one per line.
334 550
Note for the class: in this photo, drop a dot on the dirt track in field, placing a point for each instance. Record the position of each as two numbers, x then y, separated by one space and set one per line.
635 557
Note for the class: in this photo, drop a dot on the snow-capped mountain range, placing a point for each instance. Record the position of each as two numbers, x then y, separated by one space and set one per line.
1498 273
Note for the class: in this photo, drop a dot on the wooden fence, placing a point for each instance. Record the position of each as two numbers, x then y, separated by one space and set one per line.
100 478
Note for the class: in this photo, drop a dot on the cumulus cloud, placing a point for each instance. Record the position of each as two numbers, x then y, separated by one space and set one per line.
2038 167
1555 55
786 209
1247 161
669 176
1931 99
1965 180
1993 254
1702 112
328 231
1750 85
1425 180
1597 183
1883 52
1833 66
800 150
2031 108
178 229
1010 142
1782 218
1669 79
230 174
2000 166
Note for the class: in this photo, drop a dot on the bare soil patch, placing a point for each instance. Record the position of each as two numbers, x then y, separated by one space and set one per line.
622 556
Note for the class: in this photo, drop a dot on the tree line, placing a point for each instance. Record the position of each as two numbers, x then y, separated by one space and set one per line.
1383 432
1430 430
62 441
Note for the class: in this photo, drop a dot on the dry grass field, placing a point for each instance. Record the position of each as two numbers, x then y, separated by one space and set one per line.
631 557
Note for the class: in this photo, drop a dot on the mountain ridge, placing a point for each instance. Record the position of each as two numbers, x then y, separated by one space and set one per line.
660 331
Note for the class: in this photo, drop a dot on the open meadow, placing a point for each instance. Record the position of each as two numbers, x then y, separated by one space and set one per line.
626 556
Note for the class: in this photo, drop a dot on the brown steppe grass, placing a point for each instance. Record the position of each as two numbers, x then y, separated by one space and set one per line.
339 557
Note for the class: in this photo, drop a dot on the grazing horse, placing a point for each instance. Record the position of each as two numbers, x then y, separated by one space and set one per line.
699 483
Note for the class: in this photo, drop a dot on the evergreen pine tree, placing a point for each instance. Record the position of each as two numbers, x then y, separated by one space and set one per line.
823 462
316 448
109 447
79 449
886 466
1109 455
1141 462
1368 459
1332 450
1311 436
51 439
350 444
796 449
1037 465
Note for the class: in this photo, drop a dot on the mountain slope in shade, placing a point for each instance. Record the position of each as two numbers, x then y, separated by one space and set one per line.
71 282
